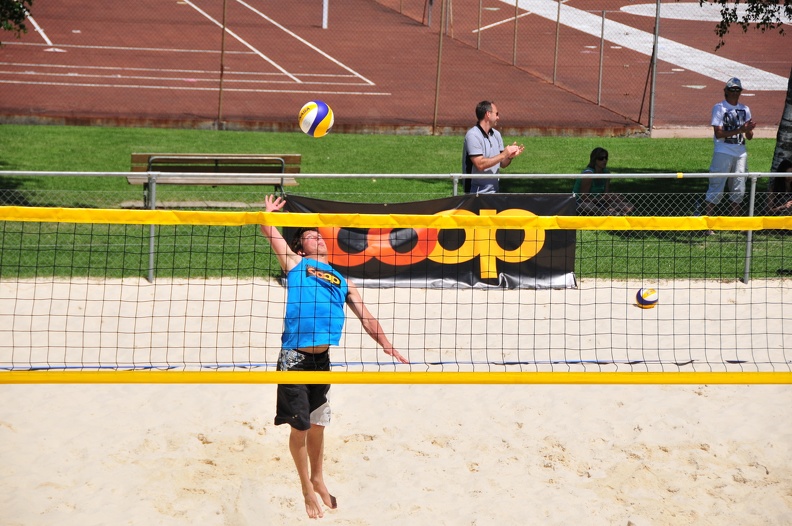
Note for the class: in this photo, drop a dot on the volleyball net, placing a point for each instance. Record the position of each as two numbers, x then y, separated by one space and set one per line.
79 303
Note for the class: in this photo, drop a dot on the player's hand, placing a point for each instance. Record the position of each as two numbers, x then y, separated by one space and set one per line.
274 204
396 355
749 126
514 150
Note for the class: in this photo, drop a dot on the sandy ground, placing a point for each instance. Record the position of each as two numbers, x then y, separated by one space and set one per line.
395 454
418 455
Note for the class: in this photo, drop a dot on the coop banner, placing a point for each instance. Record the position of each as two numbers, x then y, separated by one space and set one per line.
469 257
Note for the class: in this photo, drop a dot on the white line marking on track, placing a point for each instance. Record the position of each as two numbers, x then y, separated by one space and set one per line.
244 42
173 79
187 88
170 70
40 31
328 57
496 24
681 55
128 48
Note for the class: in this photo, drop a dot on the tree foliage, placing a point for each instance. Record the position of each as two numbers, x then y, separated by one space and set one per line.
765 15
13 14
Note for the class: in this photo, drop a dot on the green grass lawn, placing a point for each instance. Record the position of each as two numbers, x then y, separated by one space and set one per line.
72 148
600 254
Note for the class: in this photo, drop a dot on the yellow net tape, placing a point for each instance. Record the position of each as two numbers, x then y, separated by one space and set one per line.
275 377
439 221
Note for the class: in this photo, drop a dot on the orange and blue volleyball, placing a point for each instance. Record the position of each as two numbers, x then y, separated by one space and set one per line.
316 118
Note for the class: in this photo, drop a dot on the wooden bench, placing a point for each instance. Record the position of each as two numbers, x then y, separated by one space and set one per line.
214 170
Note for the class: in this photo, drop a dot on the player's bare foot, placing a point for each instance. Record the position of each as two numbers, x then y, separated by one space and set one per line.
313 507
321 490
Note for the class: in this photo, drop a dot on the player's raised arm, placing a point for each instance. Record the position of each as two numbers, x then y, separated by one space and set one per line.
286 256
371 324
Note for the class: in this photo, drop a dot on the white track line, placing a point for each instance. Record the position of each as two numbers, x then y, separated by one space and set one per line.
328 57
243 42
496 24
40 31
193 88
681 55
169 70
173 79
130 48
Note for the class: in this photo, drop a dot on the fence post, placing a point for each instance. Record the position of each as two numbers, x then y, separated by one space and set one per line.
152 205
654 67
602 58
428 12
478 31
439 62
222 69
514 40
749 238
558 30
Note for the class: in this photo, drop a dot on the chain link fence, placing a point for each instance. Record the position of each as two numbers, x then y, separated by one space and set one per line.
596 55
679 203
587 52
720 255
623 59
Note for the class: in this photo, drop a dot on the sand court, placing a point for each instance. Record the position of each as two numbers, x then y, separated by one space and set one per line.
172 454
419 455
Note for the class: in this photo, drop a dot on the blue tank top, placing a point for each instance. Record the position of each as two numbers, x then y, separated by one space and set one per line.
315 298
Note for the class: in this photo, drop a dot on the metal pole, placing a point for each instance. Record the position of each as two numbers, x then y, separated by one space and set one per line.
325 12
152 197
555 53
654 67
439 63
478 32
222 68
602 58
514 43
429 14
450 19
749 238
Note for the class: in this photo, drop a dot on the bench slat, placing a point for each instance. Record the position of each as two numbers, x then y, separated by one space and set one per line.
142 159
212 181
220 163
243 169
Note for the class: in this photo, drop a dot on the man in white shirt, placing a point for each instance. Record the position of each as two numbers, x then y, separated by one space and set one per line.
732 126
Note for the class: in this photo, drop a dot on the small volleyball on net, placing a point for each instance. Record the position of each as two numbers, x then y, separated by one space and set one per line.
646 297
316 118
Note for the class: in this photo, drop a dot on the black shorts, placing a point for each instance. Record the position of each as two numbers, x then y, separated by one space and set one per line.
301 405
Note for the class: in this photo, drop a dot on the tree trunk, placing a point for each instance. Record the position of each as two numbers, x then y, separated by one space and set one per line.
783 149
